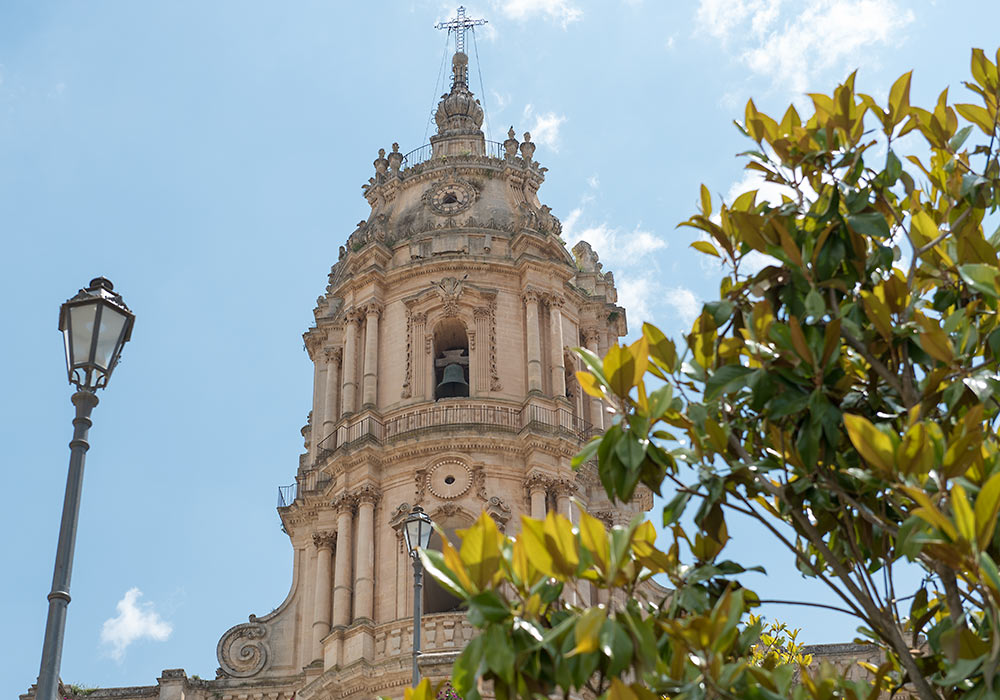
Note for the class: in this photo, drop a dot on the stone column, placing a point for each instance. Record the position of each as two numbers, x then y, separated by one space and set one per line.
321 599
590 339
537 489
364 578
348 395
419 323
558 366
481 360
316 419
369 392
533 341
342 572
330 394
564 490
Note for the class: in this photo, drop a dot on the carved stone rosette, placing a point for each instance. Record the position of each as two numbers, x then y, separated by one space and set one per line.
243 650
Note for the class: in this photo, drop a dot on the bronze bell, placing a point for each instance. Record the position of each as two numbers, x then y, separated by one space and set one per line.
453 384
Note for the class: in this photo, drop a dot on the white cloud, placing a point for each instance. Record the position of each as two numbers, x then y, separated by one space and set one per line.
594 182
629 254
669 44
683 303
617 248
793 42
501 100
134 621
545 130
562 11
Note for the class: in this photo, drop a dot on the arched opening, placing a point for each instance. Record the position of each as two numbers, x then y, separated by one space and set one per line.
451 360
436 598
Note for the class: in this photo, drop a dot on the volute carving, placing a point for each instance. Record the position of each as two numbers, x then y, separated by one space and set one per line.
243 651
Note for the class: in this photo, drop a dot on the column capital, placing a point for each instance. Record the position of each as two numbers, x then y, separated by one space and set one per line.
324 539
368 493
418 317
353 316
371 308
531 296
538 480
555 301
591 335
344 503
334 355
482 313
564 487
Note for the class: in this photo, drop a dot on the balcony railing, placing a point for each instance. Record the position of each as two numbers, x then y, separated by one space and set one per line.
458 415
494 149
464 415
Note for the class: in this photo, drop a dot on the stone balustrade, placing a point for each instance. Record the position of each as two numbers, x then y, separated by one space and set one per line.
454 415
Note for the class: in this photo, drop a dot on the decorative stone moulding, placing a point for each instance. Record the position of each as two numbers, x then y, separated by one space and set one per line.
449 479
243 650
451 197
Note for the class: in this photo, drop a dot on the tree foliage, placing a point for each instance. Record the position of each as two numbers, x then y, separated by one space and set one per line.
842 391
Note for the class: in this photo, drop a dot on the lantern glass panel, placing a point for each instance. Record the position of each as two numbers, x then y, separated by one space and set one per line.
112 323
81 325
413 534
425 533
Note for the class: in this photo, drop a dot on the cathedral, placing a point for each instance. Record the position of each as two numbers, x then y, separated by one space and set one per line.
443 379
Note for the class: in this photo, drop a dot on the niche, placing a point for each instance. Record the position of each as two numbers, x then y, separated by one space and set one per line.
451 360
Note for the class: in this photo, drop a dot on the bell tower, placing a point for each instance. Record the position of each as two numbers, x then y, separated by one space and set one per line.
444 378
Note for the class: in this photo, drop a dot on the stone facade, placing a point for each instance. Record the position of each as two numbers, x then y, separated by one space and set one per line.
459 264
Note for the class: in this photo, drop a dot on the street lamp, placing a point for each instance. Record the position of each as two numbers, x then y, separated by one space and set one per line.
417 531
95 324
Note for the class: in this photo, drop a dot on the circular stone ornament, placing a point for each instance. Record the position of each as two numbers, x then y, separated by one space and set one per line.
451 197
449 479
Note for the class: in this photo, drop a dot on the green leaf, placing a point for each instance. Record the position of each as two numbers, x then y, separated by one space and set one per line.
980 277
872 224
499 653
815 306
616 644
468 669
487 607
673 510
726 380
958 139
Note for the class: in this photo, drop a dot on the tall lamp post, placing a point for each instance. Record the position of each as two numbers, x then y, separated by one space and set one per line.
417 531
95 325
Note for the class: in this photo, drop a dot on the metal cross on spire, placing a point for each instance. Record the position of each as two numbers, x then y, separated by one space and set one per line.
459 25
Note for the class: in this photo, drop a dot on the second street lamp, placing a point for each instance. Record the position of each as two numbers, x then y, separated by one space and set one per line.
417 531
95 324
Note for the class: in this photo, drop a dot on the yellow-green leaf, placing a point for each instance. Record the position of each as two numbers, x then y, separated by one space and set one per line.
706 247
964 517
594 537
706 201
619 368
987 510
560 542
874 446
590 384
533 538
587 631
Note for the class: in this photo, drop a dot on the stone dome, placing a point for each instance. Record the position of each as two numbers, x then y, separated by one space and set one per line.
459 110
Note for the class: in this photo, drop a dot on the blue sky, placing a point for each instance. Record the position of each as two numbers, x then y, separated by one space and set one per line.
208 157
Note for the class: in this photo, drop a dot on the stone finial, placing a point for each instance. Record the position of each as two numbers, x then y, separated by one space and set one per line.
381 166
527 148
586 258
395 159
510 145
